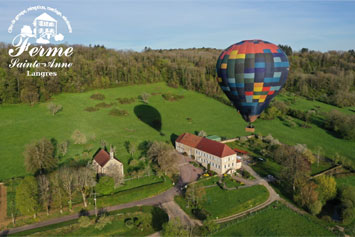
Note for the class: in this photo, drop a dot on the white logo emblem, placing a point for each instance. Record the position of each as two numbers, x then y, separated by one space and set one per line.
44 29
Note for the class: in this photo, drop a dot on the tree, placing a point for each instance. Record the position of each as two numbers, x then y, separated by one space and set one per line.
319 154
347 198
103 221
39 157
53 108
59 197
327 187
306 196
11 203
105 186
316 207
144 97
78 137
175 228
130 147
295 170
63 148
69 182
85 221
209 227
287 49
27 196
165 157
30 95
168 163
157 149
195 194
85 182
202 134
302 148
44 191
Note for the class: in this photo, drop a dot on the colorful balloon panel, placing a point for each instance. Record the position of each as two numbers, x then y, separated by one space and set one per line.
251 73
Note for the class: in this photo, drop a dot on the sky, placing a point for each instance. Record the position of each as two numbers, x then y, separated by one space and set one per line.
165 24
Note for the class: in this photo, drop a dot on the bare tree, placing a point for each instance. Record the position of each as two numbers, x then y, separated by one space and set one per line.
53 108
39 156
78 137
202 134
69 182
144 97
59 196
85 182
44 191
63 148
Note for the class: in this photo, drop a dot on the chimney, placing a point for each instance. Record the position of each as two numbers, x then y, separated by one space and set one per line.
111 152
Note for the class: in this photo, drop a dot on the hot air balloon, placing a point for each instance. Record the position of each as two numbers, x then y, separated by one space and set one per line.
251 73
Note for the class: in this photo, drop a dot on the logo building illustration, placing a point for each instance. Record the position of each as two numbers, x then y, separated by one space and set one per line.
45 26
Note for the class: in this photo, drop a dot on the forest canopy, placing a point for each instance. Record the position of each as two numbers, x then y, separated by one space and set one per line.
328 77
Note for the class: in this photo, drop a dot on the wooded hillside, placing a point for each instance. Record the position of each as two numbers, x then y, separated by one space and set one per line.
328 77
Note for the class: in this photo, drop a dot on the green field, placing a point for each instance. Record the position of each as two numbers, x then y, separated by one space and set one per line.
346 181
275 220
21 124
151 219
221 203
303 104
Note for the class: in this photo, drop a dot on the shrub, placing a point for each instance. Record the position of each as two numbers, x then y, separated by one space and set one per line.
103 105
91 109
53 108
84 221
144 97
126 100
78 137
103 221
117 112
172 97
341 124
97 96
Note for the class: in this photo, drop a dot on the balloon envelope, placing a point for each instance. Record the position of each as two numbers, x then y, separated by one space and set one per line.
251 73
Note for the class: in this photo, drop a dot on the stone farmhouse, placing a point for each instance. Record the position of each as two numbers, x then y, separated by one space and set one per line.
106 164
218 156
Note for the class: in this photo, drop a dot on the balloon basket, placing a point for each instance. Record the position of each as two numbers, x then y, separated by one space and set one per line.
250 128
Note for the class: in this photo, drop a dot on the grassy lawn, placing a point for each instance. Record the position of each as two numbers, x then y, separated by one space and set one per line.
231 183
303 104
268 166
274 220
150 218
209 181
21 124
183 204
323 165
346 181
134 183
134 194
221 203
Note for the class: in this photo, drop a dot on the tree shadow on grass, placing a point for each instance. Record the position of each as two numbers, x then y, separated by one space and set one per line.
150 116
159 217
173 138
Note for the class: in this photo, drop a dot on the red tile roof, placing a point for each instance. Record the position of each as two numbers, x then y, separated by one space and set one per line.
102 157
212 147
240 151
189 139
